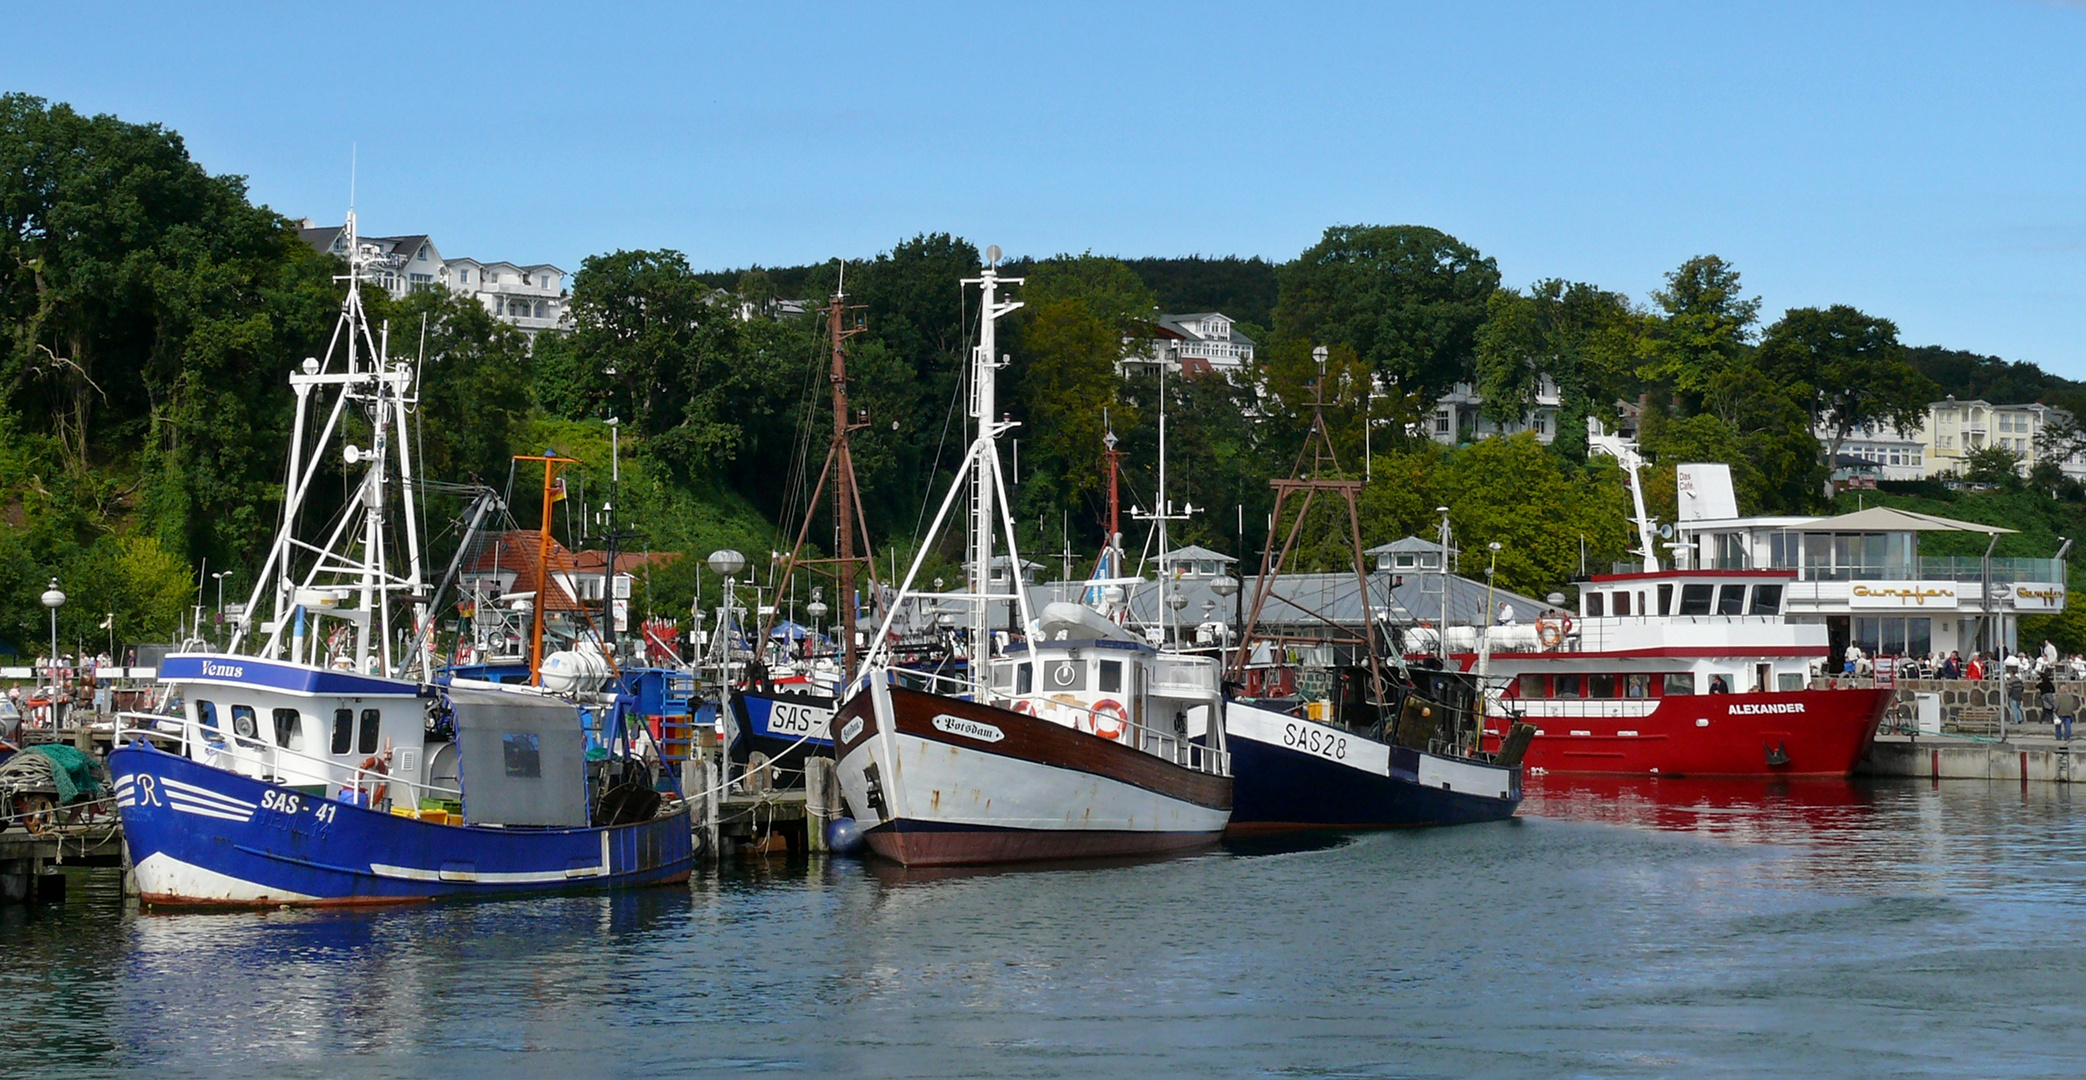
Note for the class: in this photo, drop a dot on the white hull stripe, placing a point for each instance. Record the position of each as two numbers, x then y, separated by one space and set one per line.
529 877
206 810
202 794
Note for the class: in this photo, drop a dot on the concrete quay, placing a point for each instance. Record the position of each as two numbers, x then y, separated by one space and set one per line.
2019 757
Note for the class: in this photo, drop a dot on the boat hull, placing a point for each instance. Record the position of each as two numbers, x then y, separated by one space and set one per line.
1812 733
785 726
1292 774
939 781
204 836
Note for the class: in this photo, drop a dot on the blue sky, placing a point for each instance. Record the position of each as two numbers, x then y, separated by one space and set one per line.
1924 162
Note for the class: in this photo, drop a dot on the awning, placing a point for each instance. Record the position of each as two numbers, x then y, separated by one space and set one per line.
1888 519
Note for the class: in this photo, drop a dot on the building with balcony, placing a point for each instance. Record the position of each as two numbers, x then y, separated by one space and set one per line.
1193 344
529 298
1458 415
1879 452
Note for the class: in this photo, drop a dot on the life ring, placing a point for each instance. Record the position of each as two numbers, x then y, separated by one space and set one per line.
375 763
1110 718
1027 708
1553 631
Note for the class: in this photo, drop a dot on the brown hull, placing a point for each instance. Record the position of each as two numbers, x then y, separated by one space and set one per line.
971 848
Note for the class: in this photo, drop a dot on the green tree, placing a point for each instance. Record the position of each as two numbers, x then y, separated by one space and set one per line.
1992 465
1407 298
1065 386
475 383
652 345
1705 325
1848 370
1583 337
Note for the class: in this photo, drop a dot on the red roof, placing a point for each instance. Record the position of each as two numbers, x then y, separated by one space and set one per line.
627 562
516 552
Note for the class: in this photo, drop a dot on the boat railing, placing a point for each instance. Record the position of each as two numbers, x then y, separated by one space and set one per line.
1165 745
1536 709
358 778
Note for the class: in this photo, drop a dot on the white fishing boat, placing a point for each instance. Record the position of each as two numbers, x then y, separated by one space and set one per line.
1073 739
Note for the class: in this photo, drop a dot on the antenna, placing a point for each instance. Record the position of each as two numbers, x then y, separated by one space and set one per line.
353 150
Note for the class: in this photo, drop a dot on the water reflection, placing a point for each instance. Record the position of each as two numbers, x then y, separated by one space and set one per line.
1620 927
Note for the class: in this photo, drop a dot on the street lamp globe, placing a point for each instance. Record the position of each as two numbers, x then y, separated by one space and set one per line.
727 562
816 609
53 597
1224 585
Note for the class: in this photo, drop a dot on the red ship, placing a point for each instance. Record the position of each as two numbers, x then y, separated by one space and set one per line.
1684 672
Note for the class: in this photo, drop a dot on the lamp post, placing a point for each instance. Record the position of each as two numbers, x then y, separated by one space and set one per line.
1227 586
220 577
816 609
54 599
727 563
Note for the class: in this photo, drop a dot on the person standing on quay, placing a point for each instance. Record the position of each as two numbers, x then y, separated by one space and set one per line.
2046 696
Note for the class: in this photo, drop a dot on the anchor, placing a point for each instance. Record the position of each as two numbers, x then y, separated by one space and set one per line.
1778 755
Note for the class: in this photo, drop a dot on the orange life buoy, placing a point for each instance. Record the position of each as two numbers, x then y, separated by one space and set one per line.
374 763
1027 708
1550 632
1110 718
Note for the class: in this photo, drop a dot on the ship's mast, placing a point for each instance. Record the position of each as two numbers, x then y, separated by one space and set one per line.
366 377
1163 514
988 501
847 494
1317 469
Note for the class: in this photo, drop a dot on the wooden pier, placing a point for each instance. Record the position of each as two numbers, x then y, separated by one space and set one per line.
746 814
29 861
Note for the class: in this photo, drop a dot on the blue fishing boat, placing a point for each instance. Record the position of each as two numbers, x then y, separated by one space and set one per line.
319 761
259 816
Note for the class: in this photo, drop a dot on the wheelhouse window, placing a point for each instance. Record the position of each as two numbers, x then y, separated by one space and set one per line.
522 754
367 743
1566 686
343 731
289 729
1112 676
1622 604
1531 686
1679 683
1600 686
1637 686
1731 600
243 724
1767 600
1064 675
206 716
1666 599
1595 605
1695 599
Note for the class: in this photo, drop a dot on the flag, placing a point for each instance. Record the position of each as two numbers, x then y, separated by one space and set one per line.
107 621
557 490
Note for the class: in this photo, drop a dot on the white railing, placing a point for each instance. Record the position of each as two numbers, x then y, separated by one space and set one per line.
1580 708
358 779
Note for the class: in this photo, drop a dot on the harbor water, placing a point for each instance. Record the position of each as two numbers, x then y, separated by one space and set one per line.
1619 928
